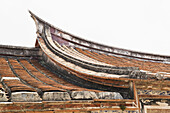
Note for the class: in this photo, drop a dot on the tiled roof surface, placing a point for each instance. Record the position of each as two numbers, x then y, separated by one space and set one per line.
65 73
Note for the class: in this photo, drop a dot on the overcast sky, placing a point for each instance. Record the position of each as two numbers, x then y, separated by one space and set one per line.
131 24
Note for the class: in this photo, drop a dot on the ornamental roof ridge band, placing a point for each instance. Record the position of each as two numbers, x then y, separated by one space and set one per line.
45 33
18 47
144 54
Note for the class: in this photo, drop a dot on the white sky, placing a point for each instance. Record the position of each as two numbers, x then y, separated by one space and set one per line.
131 24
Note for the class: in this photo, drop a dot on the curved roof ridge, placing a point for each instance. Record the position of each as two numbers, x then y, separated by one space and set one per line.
106 48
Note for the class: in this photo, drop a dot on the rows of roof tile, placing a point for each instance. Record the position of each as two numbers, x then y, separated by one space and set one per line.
67 70
25 75
127 62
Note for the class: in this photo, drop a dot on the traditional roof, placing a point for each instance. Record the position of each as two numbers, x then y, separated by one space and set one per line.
66 73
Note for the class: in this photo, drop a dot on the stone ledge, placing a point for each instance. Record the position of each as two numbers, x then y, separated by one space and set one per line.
3 97
109 95
56 96
9 78
25 97
83 95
